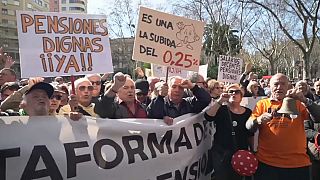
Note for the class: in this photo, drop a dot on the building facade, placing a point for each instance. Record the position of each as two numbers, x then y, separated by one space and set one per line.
8 24
73 6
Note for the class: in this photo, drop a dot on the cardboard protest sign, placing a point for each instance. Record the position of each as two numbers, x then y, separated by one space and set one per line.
203 71
161 71
54 147
168 40
230 69
56 44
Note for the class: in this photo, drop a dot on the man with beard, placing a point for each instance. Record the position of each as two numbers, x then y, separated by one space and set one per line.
119 101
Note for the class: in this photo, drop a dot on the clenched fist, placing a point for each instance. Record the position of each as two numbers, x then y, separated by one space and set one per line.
119 81
186 83
163 89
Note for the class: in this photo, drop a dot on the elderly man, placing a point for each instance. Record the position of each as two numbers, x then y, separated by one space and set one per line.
303 86
95 80
282 140
81 101
36 100
119 101
170 102
7 75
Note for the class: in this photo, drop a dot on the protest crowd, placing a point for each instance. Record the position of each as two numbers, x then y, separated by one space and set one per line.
264 128
282 152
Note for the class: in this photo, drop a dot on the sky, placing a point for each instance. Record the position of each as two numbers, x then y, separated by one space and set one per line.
95 5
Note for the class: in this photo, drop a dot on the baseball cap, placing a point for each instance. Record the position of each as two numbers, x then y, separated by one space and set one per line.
42 85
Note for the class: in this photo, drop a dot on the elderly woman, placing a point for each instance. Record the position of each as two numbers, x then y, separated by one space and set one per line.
215 88
252 89
229 116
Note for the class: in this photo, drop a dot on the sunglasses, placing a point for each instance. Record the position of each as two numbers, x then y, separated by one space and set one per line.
57 97
218 87
96 82
234 91
83 88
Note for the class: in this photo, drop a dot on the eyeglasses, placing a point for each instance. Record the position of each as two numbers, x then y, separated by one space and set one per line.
57 97
96 82
234 91
83 88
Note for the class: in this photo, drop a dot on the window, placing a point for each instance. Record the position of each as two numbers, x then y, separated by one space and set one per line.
63 8
63 1
56 10
76 9
55 2
5 21
4 11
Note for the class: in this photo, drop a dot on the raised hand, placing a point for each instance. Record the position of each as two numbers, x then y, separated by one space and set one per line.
119 80
163 89
224 97
8 62
248 68
186 83
34 80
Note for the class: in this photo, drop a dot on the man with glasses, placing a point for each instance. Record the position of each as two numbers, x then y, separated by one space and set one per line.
119 101
95 80
81 101
55 101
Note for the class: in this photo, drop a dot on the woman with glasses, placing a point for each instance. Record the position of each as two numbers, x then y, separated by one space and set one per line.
229 116
215 88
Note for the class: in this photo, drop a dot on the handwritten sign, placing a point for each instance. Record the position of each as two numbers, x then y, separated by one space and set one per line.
230 69
161 71
168 40
56 44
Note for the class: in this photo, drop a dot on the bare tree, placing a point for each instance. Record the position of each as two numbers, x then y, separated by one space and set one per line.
304 14
268 39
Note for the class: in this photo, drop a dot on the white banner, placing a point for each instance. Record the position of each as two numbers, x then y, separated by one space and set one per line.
57 44
168 40
230 69
93 148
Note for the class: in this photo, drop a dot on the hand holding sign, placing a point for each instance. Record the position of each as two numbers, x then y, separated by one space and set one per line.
248 68
163 89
